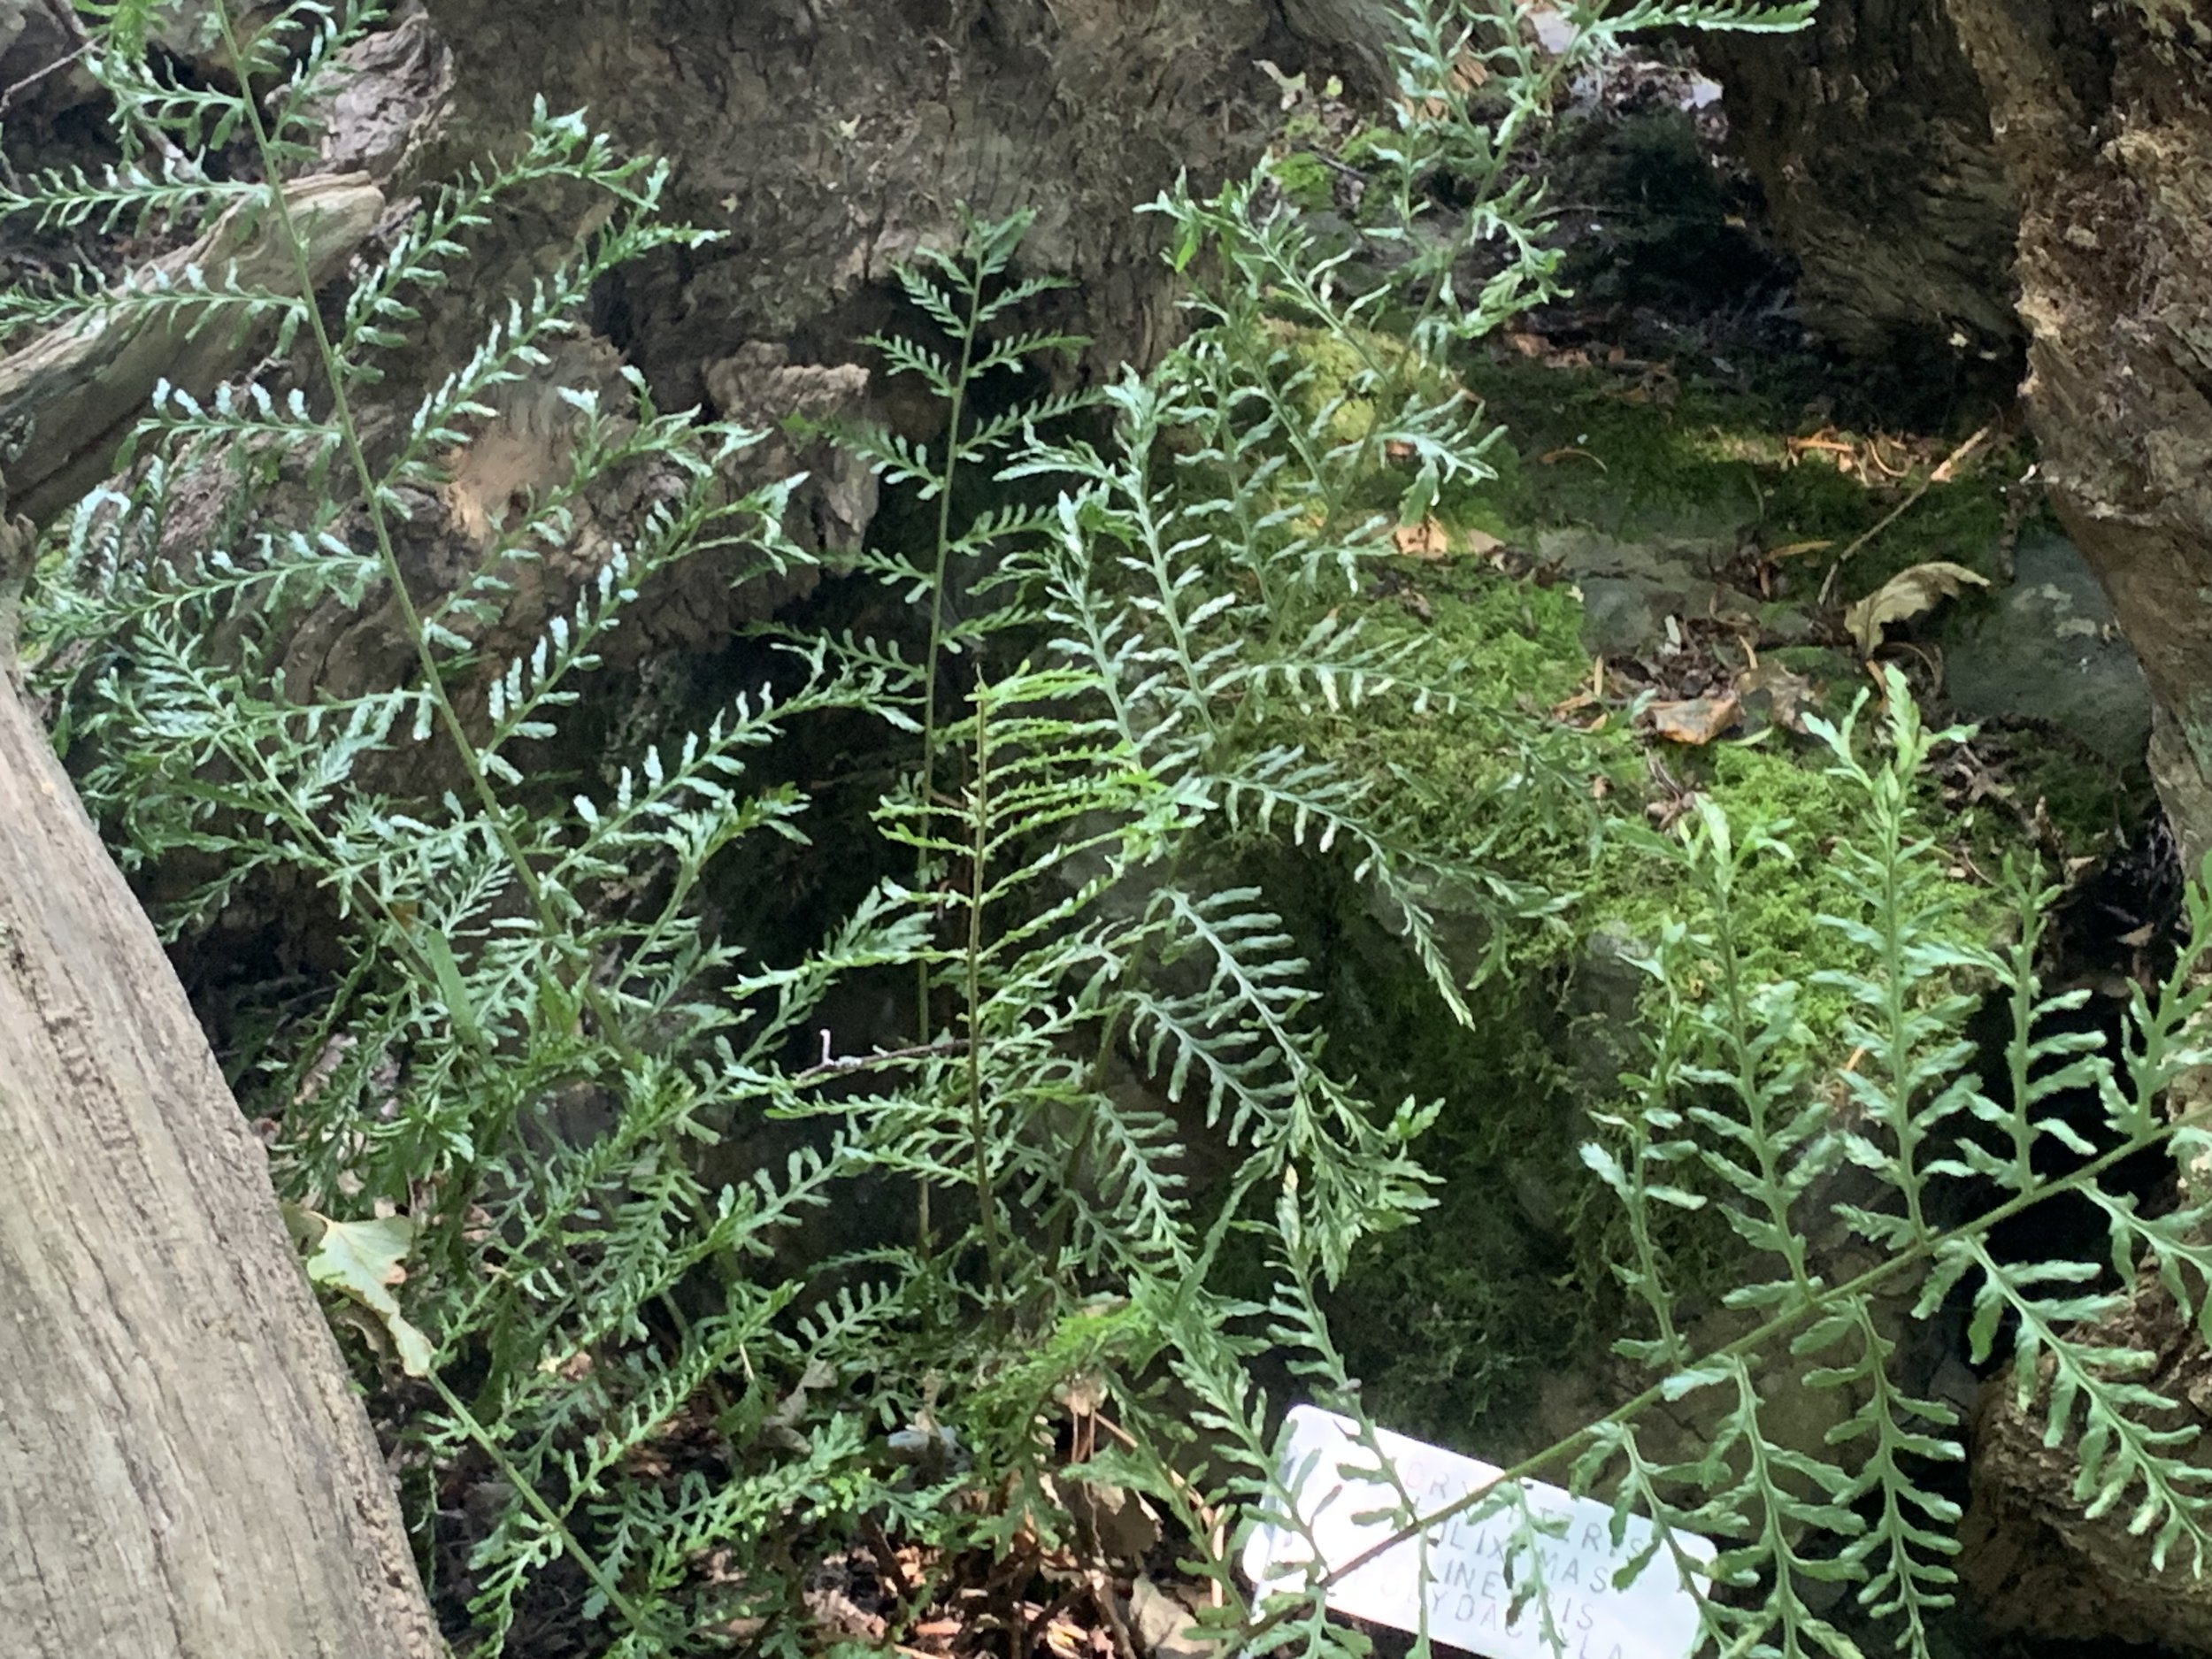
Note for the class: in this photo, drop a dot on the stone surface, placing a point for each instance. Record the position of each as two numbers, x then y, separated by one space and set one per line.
2047 649
1630 589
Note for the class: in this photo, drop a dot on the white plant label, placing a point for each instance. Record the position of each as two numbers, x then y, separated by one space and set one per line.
1471 1572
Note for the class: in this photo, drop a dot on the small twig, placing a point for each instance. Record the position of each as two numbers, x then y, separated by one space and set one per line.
37 75
1327 160
838 1066
887 1558
1033 1630
1942 473
1103 1594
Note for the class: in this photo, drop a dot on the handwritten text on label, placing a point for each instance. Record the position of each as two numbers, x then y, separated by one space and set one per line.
1468 1590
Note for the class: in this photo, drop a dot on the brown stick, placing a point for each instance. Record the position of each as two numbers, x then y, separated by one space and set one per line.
1941 474
71 396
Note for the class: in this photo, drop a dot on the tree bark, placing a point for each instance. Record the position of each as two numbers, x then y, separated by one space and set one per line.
184 1469
2106 132
73 396
1922 159
1869 137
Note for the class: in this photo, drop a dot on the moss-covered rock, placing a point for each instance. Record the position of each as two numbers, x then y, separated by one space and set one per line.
1614 517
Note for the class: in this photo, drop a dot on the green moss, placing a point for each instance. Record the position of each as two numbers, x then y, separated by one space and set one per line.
1334 369
1455 1324
1633 459
1475 779
1503 506
1361 146
1304 179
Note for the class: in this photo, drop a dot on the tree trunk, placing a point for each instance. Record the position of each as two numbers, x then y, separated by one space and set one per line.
1926 157
2106 132
1869 137
184 1469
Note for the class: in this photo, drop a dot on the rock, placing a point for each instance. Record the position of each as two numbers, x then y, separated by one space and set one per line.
1630 589
2048 650
1161 1623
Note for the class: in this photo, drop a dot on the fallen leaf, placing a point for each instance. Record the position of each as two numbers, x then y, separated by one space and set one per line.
1787 693
1696 720
1791 549
1918 588
1552 458
1482 543
1124 1524
1428 539
361 1259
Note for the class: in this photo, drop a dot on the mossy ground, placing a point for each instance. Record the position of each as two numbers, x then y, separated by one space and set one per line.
1456 1322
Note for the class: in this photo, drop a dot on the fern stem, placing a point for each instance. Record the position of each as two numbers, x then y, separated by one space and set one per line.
1780 1324
357 458
586 1562
956 411
1746 1084
978 1124
1530 97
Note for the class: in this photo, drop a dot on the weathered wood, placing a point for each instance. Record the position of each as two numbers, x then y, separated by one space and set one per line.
2105 128
1930 160
1868 134
2036 1565
72 395
184 1472
187 1472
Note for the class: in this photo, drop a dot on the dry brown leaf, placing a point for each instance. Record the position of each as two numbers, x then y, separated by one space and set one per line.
1917 589
1469 71
1552 458
1788 694
1428 539
1791 549
1695 720
1482 543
